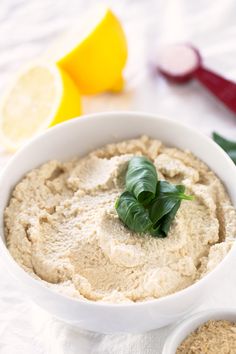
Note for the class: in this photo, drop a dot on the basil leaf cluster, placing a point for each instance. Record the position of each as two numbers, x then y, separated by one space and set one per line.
148 205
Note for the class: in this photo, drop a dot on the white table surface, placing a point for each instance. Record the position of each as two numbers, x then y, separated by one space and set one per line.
27 27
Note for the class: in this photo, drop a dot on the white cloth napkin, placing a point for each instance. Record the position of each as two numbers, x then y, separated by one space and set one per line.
27 27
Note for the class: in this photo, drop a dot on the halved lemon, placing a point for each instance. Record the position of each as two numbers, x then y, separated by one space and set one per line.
41 96
94 52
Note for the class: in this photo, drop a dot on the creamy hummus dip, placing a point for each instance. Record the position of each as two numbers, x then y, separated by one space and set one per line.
62 227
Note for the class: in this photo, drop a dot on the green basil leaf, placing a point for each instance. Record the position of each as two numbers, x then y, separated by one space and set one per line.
161 228
132 213
160 207
155 231
165 188
141 179
226 144
168 219
232 154
165 206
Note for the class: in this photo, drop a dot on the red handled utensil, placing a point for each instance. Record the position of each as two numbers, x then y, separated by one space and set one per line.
182 62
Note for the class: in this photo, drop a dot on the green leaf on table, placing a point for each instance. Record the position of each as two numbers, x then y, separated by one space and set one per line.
228 146
232 155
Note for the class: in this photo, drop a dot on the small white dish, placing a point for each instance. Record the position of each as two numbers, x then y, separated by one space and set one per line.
190 324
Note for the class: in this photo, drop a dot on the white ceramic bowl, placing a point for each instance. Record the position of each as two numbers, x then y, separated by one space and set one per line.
78 137
184 328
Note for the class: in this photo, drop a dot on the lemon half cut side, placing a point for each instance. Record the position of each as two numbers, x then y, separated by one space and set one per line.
41 96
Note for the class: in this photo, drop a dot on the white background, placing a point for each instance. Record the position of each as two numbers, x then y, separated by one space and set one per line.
27 28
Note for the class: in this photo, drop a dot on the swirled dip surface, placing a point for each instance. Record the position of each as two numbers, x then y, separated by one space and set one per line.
61 226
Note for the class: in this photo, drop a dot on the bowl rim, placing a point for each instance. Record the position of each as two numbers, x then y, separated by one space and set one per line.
197 319
111 114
